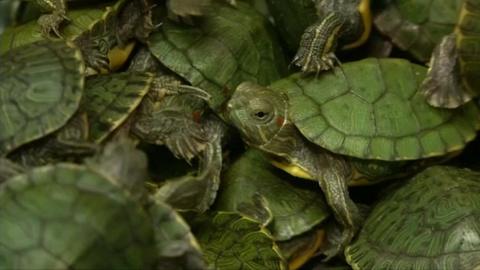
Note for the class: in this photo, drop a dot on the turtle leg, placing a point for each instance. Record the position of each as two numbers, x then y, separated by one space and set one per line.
332 172
332 175
443 87
317 45
51 22
196 191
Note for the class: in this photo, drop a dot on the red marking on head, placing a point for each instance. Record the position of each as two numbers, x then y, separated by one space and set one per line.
197 115
280 120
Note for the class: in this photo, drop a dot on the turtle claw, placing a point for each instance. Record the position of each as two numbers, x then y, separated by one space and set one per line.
175 89
51 23
310 63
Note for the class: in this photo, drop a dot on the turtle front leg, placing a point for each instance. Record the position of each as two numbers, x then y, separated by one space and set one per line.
443 86
188 139
51 22
332 174
317 45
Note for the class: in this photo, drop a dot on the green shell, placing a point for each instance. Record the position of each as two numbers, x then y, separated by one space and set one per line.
41 86
111 99
294 209
230 241
468 42
239 44
82 21
418 25
431 222
372 110
176 245
68 217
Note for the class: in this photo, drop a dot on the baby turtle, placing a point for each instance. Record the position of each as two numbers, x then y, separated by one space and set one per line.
368 119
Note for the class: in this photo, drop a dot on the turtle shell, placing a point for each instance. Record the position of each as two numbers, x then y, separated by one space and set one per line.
239 43
68 217
430 222
111 99
373 110
41 86
418 25
468 41
294 209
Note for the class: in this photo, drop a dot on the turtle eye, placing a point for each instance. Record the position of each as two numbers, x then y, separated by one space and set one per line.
262 112
261 115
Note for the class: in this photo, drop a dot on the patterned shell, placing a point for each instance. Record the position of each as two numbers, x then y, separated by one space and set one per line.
418 25
430 222
68 217
238 41
372 110
40 89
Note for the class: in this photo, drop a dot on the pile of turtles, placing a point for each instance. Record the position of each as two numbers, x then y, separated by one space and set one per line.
148 134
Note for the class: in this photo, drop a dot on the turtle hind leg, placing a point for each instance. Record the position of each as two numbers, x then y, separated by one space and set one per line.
317 45
442 87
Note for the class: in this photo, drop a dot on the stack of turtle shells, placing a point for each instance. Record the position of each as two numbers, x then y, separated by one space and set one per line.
148 134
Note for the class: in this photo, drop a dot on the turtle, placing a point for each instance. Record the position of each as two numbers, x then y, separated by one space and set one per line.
315 28
239 38
295 215
252 53
186 126
106 189
367 124
103 33
103 104
446 32
77 216
41 85
428 222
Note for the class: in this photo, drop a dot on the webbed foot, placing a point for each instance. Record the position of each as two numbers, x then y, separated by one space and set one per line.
198 192
317 45
443 86
51 23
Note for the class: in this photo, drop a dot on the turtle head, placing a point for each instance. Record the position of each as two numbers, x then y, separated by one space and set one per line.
258 112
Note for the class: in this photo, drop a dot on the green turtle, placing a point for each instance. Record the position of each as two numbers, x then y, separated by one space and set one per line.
252 53
447 33
42 85
295 215
365 124
109 104
77 216
103 33
239 38
316 28
103 205
429 222
185 125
